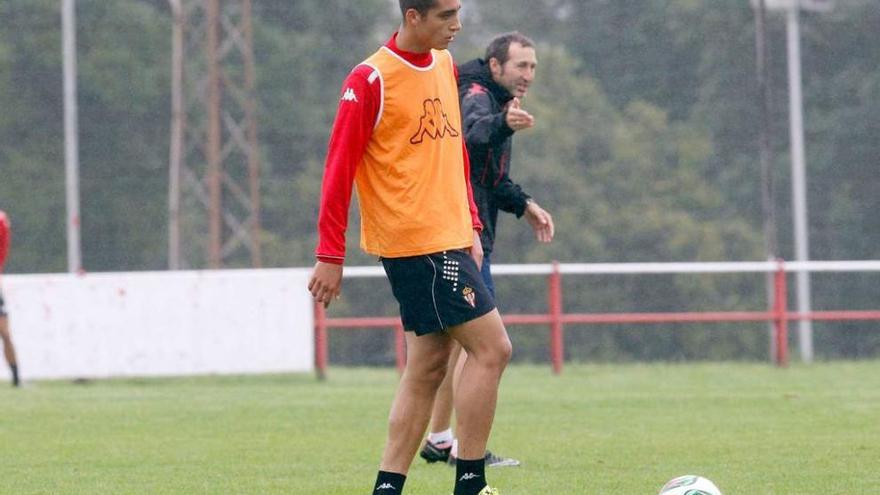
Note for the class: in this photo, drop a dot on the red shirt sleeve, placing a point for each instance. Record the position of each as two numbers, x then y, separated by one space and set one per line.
475 215
356 117
5 234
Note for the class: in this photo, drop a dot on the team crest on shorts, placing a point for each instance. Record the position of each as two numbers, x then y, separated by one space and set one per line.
469 296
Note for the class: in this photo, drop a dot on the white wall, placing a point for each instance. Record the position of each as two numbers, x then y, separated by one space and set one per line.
160 323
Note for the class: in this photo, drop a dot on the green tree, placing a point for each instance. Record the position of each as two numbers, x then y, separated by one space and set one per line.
31 153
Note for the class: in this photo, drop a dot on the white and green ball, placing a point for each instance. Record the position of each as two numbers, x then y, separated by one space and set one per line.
689 485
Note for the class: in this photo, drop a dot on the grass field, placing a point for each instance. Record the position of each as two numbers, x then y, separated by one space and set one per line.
602 429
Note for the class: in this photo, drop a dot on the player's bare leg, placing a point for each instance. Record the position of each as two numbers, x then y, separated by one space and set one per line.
441 416
488 351
439 445
427 359
9 349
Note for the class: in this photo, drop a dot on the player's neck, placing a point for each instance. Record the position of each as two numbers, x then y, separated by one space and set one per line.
407 41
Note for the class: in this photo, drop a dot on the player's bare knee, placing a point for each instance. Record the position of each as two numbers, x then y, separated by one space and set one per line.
437 380
430 372
495 355
503 352
499 352
435 375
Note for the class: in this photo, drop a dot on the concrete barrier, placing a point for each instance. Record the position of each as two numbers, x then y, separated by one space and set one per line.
161 323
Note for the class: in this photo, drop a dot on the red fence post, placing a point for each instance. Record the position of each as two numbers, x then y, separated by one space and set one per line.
557 352
781 312
320 341
400 347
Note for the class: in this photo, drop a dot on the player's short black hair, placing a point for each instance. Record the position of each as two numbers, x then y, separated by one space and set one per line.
421 6
499 47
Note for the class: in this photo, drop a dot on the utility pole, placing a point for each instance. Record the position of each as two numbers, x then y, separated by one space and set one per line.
768 182
799 179
71 136
792 10
177 125
214 165
765 144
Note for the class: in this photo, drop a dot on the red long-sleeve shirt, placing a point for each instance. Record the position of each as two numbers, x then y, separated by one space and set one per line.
357 114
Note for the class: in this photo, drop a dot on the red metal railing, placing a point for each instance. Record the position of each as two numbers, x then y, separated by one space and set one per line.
778 314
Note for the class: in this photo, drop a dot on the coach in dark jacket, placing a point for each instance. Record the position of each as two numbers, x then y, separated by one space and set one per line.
490 90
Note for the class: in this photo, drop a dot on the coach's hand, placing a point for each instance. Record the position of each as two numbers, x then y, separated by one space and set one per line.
541 222
517 118
326 282
477 250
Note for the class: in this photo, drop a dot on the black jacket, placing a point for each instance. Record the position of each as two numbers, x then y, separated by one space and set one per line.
489 139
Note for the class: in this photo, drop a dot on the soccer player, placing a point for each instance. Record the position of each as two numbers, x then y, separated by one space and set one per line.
490 90
8 348
398 136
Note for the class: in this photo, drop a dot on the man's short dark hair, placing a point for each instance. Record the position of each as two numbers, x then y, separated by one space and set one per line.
499 47
421 6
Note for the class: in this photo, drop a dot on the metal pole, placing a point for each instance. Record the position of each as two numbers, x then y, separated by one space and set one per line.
780 309
253 155
799 181
766 148
177 126
768 188
557 341
71 135
213 152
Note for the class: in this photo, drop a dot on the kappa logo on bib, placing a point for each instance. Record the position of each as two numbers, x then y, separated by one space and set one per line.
434 123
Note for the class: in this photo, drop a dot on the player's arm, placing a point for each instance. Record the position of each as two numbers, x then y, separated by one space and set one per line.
352 129
477 247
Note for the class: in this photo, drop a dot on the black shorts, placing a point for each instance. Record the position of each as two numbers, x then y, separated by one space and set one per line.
2 305
437 291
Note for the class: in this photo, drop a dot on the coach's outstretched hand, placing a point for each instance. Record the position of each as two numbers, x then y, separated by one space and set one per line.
326 282
517 118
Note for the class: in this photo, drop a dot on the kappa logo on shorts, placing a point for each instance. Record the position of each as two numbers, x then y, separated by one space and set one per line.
434 123
470 296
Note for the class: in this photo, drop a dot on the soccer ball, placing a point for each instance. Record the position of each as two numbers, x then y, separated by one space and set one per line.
689 485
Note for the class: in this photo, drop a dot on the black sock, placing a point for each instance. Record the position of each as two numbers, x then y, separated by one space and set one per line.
14 369
389 483
470 476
